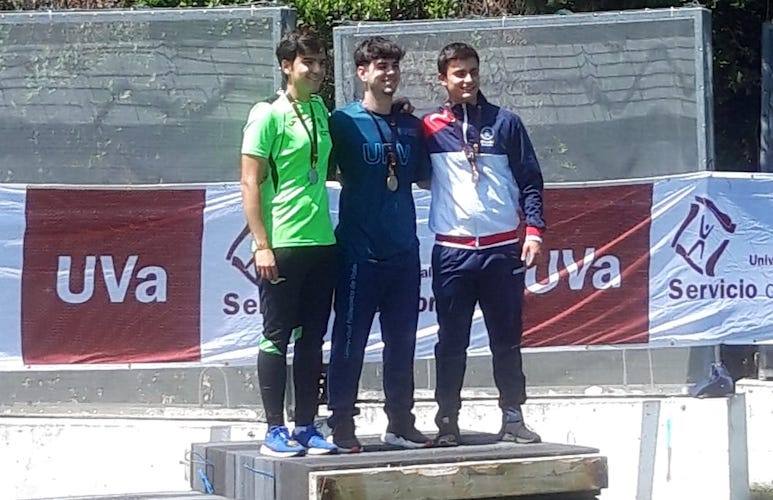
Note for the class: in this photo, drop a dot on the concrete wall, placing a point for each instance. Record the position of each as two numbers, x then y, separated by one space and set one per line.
660 448
703 455
130 453
759 417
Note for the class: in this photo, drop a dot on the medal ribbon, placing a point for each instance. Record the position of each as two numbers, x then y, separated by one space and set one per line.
311 133
471 149
390 158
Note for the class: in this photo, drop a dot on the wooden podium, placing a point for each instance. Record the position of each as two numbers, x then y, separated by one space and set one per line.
480 468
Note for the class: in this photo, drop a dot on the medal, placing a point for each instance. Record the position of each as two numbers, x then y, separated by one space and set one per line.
471 152
389 153
391 182
314 156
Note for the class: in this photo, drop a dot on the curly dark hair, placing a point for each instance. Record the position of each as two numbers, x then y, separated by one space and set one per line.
299 42
375 48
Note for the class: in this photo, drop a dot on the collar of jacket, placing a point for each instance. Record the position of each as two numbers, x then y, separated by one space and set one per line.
457 109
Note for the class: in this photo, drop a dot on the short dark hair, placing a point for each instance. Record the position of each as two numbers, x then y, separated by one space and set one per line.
299 42
376 48
456 50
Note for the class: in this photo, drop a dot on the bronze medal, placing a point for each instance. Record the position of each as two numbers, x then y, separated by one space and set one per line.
389 151
471 153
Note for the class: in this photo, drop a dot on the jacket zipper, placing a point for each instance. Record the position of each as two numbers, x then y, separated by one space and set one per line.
465 128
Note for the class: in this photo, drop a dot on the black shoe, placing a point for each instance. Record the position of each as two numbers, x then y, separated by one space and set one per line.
448 432
344 437
517 432
405 436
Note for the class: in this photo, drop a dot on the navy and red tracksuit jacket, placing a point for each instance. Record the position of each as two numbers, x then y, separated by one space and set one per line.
483 214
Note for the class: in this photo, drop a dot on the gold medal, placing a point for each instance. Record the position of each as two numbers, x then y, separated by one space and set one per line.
390 156
392 183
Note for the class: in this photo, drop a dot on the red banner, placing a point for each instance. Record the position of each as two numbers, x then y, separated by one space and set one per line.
111 276
592 279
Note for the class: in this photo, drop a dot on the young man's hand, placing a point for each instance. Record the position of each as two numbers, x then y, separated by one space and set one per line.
402 105
531 250
265 264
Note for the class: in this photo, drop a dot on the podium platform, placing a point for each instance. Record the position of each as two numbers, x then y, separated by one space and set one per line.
480 468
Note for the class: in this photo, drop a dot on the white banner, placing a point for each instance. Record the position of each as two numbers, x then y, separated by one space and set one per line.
12 225
164 274
711 266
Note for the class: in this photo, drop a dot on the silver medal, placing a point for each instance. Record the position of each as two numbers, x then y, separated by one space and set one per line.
313 176
392 183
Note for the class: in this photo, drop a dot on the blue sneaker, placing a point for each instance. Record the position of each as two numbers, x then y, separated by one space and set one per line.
278 443
312 440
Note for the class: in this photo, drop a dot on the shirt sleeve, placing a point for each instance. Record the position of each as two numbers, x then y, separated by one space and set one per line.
336 135
423 165
528 176
260 131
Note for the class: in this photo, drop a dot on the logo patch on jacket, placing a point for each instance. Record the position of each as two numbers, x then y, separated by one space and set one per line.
487 137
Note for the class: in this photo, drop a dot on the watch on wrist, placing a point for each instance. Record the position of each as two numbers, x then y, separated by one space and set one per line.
262 245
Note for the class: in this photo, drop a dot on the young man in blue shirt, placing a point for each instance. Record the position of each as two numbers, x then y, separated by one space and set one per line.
380 154
484 170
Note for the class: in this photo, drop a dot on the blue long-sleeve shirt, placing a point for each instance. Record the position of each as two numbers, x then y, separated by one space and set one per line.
374 222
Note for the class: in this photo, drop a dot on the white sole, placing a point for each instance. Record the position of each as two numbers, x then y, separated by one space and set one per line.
396 440
265 450
341 450
319 451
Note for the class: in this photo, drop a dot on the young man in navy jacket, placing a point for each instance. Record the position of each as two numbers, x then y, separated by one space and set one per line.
483 170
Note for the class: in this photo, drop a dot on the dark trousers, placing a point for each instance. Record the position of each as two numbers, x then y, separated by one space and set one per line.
296 306
364 287
494 278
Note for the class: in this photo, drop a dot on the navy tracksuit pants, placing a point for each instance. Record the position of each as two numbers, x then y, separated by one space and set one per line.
390 287
494 278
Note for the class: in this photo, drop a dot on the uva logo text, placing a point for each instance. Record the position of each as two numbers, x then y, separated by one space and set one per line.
151 281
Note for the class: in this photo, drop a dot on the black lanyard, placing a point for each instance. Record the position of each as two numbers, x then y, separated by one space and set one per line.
392 131
311 133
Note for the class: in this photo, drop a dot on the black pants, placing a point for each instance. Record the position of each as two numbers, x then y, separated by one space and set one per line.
364 287
296 308
494 278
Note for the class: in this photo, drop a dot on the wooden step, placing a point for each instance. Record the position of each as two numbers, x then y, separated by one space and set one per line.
481 468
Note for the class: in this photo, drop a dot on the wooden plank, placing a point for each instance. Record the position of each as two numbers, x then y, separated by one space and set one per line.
380 455
255 479
224 463
477 479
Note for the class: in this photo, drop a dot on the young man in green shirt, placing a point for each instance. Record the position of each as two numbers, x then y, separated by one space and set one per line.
285 154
